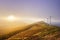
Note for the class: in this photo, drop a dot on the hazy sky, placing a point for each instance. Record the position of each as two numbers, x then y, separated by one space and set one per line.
30 8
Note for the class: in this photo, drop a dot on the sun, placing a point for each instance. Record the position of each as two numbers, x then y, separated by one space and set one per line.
11 18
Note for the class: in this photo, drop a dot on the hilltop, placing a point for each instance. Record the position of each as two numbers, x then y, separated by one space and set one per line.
38 31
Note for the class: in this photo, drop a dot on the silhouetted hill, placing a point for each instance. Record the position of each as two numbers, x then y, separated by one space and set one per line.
38 31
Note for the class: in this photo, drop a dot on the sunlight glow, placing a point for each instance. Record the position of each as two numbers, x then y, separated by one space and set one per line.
11 18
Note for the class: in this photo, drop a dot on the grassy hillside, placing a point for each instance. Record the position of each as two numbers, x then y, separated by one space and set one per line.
38 31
